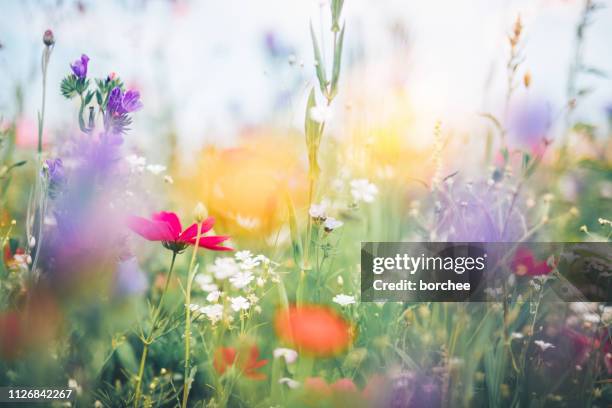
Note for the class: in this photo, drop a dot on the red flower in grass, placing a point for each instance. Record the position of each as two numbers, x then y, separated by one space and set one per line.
525 263
247 361
584 345
166 227
314 329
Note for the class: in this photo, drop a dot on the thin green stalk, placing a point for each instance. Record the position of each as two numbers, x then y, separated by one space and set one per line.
190 275
147 341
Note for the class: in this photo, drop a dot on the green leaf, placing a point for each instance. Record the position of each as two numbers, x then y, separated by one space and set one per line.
336 10
296 243
312 131
320 68
88 97
68 86
337 64
99 98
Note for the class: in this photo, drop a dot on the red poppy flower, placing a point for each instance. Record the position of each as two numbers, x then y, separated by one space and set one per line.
247 361
524 263
166 227
314 329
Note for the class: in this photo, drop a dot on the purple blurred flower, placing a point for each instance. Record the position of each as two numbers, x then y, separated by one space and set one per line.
477 213
129 278
529 123
55 170
56 175
415 390
120 103
79 67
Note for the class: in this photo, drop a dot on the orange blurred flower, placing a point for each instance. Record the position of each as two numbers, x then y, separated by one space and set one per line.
242 187
246 360
314 329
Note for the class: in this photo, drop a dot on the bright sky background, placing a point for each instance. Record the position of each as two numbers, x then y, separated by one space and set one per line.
202 66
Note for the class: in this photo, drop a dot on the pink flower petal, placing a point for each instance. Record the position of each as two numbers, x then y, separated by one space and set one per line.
172 220
212 243
191 231
151 230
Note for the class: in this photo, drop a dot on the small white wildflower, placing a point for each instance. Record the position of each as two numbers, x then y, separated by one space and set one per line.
243 255
320 113
262 258
224 267
289 382
239 303
212 312
363 190
156 169
205 283
331 224
241 279
318 211
516 336
288 354
32 242
260 282
344 300
194 307
213 296
249 264
137 163
543 345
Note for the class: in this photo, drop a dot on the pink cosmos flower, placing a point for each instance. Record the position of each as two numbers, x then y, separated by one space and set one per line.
166 227
525 263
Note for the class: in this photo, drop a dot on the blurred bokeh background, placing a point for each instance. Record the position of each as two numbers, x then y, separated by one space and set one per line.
209 71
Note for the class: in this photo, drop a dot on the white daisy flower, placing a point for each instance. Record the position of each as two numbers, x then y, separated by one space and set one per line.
543 345
363 190
239 303
224 267
213 296
288 354
214 313
249 264
241 279
243 255
331 224
317 211
205 283
194 307
344 300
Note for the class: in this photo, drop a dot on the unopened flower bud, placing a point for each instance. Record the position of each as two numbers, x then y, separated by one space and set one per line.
48 38
200 212
527 79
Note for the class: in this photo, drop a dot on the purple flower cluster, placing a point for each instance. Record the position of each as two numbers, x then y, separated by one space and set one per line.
79 67
120 102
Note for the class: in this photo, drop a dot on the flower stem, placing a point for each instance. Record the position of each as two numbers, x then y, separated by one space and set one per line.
190 275
146 342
